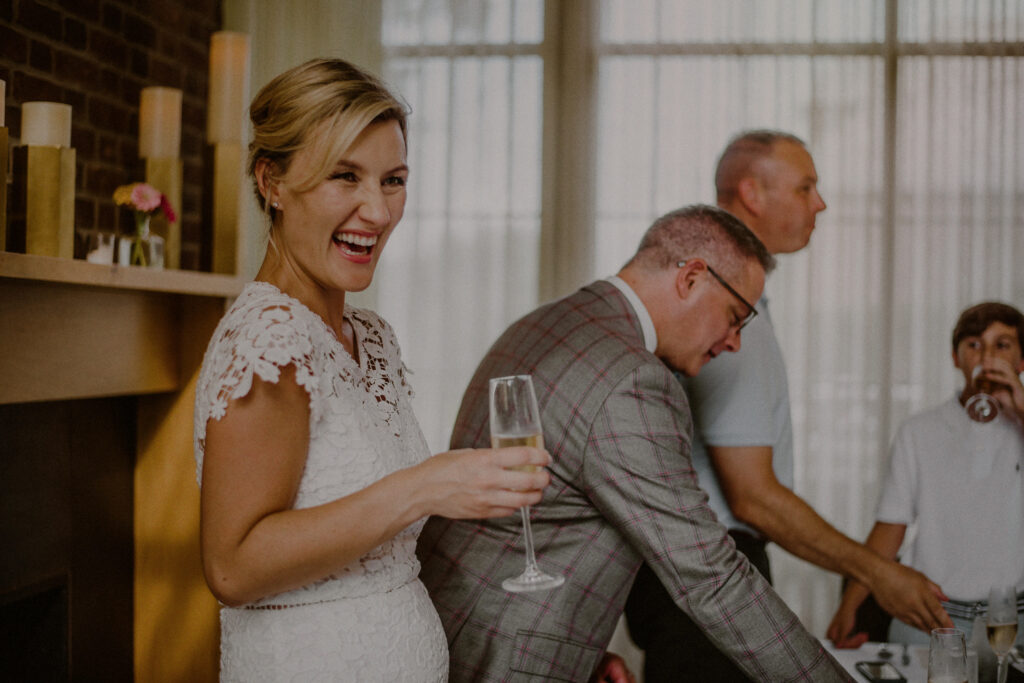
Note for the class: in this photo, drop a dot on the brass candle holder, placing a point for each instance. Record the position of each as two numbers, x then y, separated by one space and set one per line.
228 92
159 145
43 202
4 146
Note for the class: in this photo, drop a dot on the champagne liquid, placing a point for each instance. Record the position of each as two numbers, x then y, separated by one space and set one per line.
986 386
1001 637
532 440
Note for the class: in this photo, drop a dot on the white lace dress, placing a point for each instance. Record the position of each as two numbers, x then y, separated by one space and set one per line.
373 620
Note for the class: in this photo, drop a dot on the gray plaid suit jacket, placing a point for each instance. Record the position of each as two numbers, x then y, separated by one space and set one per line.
623 491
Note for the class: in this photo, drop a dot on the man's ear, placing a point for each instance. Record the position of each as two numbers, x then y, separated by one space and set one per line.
687 277
751 195
956 360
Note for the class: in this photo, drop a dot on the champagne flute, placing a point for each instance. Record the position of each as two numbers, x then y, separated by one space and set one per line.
981 405
515 421
1001 623
947 656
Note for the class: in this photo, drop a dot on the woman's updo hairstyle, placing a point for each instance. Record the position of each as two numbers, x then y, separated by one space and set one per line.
325 103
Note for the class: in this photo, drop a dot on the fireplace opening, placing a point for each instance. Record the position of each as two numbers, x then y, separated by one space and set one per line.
34 632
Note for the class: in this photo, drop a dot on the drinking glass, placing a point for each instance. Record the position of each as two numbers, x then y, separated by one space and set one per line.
1001 623
515 421
947 656
981 405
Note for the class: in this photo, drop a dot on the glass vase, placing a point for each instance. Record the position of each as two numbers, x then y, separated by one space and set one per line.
143 248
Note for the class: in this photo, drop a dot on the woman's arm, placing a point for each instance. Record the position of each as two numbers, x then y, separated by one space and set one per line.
254 544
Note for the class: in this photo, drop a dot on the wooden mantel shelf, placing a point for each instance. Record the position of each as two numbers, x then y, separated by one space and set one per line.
77 272
71 329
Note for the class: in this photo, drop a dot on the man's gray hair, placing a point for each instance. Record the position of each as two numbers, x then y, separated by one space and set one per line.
704 231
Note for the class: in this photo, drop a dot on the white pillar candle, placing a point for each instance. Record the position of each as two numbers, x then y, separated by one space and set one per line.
46 123
159 123
228 86
3 101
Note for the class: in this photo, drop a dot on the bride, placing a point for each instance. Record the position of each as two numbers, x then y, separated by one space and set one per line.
314 474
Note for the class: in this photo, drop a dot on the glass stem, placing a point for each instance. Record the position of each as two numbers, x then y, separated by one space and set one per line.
531 559
1001 675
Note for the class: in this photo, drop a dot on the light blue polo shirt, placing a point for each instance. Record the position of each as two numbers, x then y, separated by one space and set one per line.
742 399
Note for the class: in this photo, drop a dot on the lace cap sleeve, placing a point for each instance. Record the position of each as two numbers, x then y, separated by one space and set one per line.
257 338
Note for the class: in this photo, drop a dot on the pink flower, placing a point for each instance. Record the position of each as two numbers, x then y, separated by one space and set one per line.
145 197
165 206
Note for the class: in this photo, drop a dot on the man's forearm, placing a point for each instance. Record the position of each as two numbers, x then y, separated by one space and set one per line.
758 499
787 520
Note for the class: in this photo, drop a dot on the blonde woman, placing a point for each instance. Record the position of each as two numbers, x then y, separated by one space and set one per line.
315 476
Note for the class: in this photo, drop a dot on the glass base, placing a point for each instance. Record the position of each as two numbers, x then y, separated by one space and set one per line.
533 579
141 251
982 408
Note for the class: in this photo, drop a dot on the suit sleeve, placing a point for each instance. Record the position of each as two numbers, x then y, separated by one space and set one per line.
637 472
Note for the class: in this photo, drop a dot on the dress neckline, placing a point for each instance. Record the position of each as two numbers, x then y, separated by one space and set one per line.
347 315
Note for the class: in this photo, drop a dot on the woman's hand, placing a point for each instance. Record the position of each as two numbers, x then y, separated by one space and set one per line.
485 482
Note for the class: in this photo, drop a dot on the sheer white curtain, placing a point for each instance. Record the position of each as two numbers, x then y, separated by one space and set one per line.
464 261
913 117
912 109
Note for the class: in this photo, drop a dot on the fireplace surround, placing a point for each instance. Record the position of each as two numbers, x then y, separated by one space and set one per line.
98 499
66 587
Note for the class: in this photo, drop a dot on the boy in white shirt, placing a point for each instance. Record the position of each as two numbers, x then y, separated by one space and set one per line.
959 482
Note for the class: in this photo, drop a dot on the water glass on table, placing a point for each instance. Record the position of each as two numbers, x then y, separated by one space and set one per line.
947 656
515 421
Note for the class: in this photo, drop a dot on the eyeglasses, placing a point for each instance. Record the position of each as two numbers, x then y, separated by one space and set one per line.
751 311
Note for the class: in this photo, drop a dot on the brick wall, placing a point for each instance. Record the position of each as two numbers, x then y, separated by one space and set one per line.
97 55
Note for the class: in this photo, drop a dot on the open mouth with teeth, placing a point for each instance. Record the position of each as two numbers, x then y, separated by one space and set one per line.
352 244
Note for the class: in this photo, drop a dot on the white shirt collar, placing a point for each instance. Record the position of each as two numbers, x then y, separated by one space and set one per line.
646 323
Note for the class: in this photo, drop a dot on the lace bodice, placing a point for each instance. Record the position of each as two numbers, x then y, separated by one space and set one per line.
361 423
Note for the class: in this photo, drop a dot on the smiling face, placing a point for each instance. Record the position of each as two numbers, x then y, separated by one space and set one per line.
329 238
790 199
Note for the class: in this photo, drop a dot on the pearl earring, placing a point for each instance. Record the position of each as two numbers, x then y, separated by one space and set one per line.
276 205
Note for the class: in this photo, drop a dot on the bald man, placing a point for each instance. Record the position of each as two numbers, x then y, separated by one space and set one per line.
743 441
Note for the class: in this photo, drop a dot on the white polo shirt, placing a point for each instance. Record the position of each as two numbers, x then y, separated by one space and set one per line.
960 483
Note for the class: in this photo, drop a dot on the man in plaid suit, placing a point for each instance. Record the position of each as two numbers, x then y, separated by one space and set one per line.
623 490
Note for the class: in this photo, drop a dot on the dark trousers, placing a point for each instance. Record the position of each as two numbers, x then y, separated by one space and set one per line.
675 648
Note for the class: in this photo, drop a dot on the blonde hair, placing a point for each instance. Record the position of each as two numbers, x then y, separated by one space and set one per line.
324 104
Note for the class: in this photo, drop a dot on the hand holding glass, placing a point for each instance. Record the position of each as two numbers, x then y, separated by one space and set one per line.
1001 623
947 656
515 421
